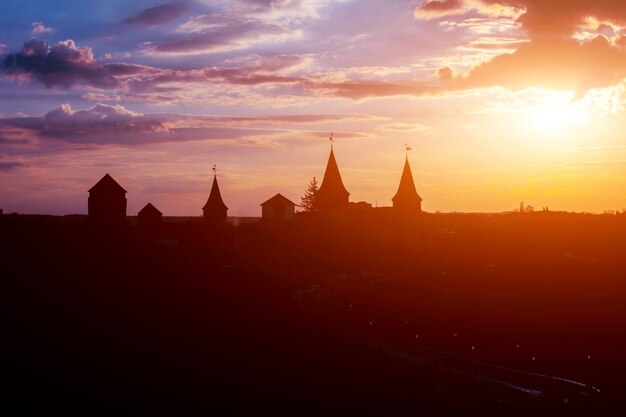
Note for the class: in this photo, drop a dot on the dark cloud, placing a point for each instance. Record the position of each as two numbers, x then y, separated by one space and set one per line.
8 165
63 64
158 14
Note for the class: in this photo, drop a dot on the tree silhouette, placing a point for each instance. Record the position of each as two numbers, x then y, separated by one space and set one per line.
309 199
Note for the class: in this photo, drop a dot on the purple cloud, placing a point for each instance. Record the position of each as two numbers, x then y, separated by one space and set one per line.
39 27
98 119
9 165
66 65
218 32
63 64
158 14
103 125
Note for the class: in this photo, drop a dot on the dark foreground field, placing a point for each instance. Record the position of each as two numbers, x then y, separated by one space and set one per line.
286 320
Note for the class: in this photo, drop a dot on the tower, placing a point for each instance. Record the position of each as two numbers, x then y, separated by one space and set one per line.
406 198
332 194
214 211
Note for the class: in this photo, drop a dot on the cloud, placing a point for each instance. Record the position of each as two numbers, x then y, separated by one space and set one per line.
220 31
98 124
437 8
104 125
558 64
63 64
98 119
357 90
38 28
434 9
403 127
9 165
561 18
158 14
66 65
574 45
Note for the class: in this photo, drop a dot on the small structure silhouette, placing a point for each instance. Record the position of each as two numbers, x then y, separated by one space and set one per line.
149 216
332 194
107 203
277 209
214 211
407 199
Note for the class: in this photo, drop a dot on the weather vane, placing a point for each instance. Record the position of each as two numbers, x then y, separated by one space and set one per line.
332 141
214 169
407 148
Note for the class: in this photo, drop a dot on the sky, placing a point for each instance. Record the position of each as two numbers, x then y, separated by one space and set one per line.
500 102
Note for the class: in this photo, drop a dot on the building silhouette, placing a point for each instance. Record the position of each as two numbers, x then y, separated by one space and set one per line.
407 199
106 204
214 211
149 216
277 209
332 195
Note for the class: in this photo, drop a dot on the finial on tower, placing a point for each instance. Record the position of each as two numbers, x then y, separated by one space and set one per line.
407 148
214 169
332 141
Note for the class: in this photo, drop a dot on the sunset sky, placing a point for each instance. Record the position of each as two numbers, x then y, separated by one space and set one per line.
502 102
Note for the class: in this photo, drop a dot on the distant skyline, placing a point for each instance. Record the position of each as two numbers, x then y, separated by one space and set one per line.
501 102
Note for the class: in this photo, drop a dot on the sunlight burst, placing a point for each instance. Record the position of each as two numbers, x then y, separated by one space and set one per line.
557 116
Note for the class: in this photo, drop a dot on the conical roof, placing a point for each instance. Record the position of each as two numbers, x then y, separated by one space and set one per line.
406 190
332 191
106 183
215 198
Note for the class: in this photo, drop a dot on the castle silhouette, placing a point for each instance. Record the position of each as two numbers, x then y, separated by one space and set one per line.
107 200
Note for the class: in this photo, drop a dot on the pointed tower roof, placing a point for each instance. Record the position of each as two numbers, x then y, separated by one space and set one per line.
332 192
107 183
406 190
215 198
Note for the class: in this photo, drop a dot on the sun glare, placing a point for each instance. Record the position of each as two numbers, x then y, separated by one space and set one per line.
558 116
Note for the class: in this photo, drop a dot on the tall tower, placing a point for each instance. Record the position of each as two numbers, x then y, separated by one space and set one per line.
214 210
406 198
332 194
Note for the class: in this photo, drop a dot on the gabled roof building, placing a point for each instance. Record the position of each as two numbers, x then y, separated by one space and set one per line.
106 204
149 216
278 208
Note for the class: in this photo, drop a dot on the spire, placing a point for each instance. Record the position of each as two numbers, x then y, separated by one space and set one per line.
332 193
215 209
406 197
